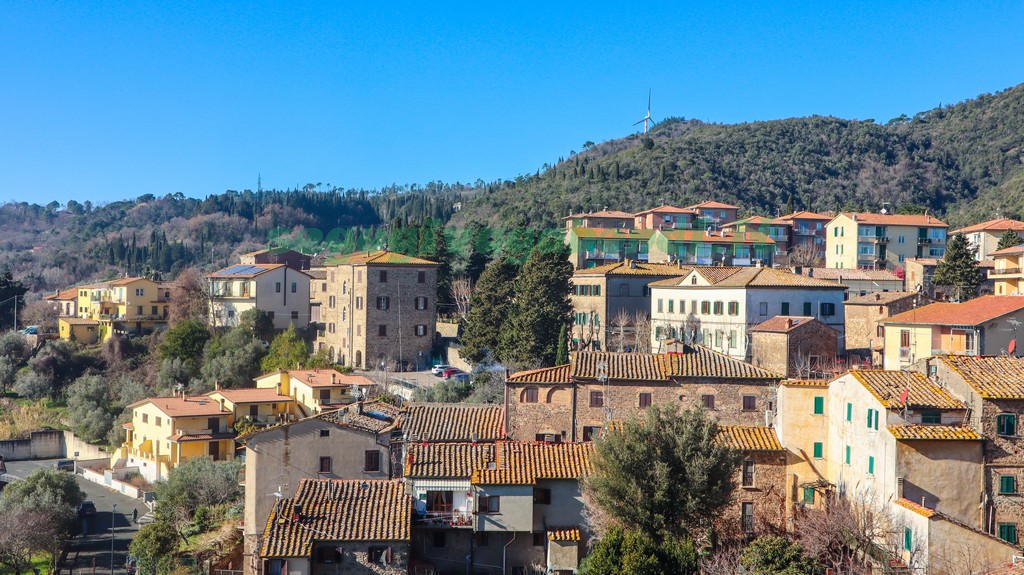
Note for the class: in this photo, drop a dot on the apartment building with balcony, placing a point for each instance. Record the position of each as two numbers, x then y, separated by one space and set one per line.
985 325
379 308
714 214
167 431
665 218
706 247
591 246
126 306
279 290
1007 273
316 390
984 237
806 228
881 240
776 229
259 407
599 219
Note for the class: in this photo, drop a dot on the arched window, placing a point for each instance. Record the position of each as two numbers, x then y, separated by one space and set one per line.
359 358
528 395
559 396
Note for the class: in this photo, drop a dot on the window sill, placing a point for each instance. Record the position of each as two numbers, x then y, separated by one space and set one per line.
749 487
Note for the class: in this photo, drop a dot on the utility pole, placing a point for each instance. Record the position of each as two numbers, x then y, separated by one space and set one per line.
113 514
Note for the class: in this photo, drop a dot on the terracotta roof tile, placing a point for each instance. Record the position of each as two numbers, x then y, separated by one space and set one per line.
806 383
252 395
78 321
184 437
749 438
601 214
379 257
888 385
929 432
836 275
523 463
713 205
618 366
974 312
759 221
720 276
633 268
68 294
557 374
805 215
174 406
126 281
337 510
371 416
697 361
323 378
1007 251
564 534
667 209
999 377
881 298
784 323
915 507
448 422
447 460
729 237
876 219
996 225
613 233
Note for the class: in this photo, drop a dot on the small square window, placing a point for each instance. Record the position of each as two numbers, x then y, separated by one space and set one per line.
325 433
808 496
325 465
708 401
1007 484
749 403
371 461
644 400
596 399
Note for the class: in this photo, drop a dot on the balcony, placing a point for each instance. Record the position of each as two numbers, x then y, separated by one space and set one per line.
447 517
905 354
880 239
808 232
1004 271
924 241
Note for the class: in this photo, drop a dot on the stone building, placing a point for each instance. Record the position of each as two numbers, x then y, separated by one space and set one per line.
795 346
865 337
575 402
378 308
760 505
277 255
339 527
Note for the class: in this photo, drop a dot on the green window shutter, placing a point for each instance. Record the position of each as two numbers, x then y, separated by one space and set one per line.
807 308
871 465
1007 484
817 449
869 418
808 495
1008 532
849 412
819 405
847 454
908 538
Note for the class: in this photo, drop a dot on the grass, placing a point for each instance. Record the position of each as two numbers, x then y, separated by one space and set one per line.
40 562
20 416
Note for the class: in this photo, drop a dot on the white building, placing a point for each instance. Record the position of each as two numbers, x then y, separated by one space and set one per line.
716 306
277 289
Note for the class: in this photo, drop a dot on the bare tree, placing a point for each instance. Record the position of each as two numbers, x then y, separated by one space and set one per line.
621 322
462 290
724 561
38 531
807 254
843 529
189 296
641 332
39 312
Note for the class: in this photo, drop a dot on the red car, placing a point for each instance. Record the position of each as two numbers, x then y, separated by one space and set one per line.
448 373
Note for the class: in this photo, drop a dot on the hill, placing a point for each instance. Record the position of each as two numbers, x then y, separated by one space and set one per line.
960 161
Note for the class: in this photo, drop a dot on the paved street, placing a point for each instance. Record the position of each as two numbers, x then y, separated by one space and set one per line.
95 544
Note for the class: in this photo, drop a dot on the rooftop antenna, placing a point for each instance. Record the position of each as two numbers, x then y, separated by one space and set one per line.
647 119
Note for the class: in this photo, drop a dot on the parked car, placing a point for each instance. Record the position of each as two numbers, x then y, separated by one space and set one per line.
438 370
64 465
461 377
30 330
448 373
86 509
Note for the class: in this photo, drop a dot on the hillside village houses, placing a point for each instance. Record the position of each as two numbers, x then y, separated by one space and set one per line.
279 290
865 336
882 240
984 237
134 306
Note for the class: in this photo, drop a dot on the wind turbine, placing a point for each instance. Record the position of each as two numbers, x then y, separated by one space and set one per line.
647 118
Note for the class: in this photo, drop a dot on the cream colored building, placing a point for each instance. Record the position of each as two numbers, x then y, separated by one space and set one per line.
984 237
1008 273
315 390
981 326
882 241
277 289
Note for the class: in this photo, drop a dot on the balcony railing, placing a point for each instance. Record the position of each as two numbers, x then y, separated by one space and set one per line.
1006 271
880 239
904 354
954 352
452 518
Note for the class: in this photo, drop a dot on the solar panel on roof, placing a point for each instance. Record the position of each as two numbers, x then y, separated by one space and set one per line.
241 270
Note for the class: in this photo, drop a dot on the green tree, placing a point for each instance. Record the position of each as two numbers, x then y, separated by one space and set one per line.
233 359
444 269
1009 239
287 351
777 555
196 483
91 408
258 322
541 307
185 341
48 490
562 353
478 252
665 476
489 308
153 542
11 294
959 269
634 552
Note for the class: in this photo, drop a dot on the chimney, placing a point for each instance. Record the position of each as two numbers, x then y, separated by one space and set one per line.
789 322
810 272
216 385
296 512
878 296
333 378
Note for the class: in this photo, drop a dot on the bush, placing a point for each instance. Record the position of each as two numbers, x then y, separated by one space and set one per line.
777 555
629 551
32 385
90 408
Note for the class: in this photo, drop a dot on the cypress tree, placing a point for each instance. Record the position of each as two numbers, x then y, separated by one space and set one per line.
490 306
562 353
444 271
1009 239
959 269
542 307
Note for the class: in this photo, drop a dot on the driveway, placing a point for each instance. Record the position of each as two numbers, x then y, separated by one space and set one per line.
93 547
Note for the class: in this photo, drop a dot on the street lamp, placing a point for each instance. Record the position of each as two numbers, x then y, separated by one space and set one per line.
113 511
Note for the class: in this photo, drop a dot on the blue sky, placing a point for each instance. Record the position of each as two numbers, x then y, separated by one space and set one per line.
103 101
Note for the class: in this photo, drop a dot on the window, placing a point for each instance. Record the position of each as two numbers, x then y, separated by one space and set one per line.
489 504
145 418
871 465
748 473
828 309
330 328
849 411
421 303
295 287
671 305
819 405
708 401
762 308
808 496
382 330
718 308
371 461
785 308
931 417
323 286
873 419
331 302
383 276
749 403
530 395
325 433
1007 484
538 539
421 277
138 310
908 538
596 399
1008 532
325 465
140 292
645 400
590 432
705 307
541 496
660 305
847 458
379 555
327 555
819 449
734 308
748 517
1006 424
808 308
383 302
277 287
421 330
295 315
359 302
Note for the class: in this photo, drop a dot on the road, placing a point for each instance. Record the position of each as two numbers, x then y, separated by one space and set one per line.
95 544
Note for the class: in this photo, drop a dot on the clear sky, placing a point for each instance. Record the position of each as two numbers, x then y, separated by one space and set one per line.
110 100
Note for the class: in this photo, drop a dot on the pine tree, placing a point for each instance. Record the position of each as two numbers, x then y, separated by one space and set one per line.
476 261
959 269
1009 239
490 307
542 307
562 353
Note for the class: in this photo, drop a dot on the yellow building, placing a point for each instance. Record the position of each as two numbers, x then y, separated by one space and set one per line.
315 390
882 241
1007 275
84 331
261 406
168 431
984 237
134 306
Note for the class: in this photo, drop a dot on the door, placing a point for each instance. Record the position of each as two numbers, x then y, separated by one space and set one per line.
214 424
214 450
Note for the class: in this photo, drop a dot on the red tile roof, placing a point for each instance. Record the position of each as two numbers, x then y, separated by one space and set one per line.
915 507
882 298
805 215
888 385
601 214
634 268
749 438
618 366
328 377
974 312
379 257
724 237
933 432
447 460
713 205
252 395
876 219
557 374
666 209
995 377
736 276
523 463
448 422
175 406
68 294
183 437
997 225
783 324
